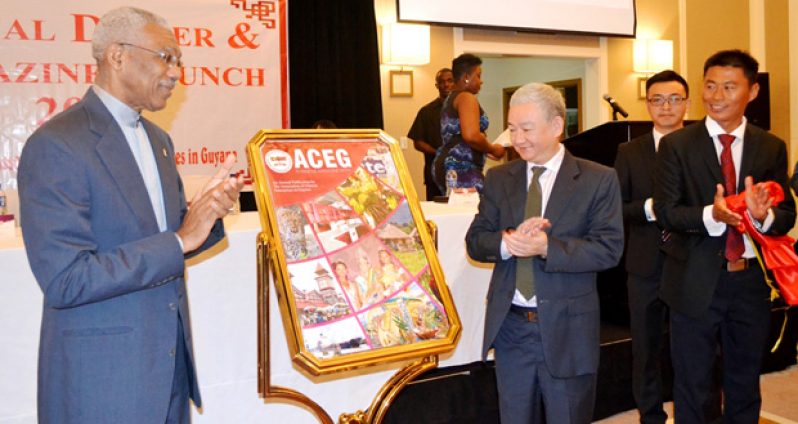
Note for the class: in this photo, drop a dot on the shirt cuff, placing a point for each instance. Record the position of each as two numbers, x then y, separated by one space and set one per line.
765 225
648 208
504 252
179 241
714 228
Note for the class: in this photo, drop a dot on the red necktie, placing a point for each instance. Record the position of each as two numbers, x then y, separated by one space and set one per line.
734 240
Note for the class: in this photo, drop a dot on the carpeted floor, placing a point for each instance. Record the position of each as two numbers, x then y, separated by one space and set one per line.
779 401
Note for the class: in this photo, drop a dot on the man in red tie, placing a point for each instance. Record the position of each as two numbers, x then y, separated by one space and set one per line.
711 279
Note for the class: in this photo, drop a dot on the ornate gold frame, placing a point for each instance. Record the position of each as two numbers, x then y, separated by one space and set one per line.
276 260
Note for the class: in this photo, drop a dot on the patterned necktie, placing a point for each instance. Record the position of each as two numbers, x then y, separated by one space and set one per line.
524 268
734 240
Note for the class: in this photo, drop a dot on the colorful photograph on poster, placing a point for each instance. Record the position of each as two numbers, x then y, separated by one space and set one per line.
400 235
378 162
427 282
298 239
361 265
339 338
369 197
334 221
317 295
360 277
406 318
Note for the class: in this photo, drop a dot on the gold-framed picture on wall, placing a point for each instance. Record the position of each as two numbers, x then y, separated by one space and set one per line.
352 259
401 83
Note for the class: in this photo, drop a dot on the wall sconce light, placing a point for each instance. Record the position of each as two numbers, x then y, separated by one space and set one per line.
404 45
650 57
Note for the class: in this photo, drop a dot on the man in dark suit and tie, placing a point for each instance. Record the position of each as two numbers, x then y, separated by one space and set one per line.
106 231
547 243
711 280
667 102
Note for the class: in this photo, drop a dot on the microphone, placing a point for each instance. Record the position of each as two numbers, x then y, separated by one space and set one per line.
615 106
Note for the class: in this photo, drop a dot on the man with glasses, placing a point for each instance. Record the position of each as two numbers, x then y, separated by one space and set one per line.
667 103
711 280
107 231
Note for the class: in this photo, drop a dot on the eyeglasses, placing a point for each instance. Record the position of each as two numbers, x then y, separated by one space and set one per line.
167 58
673 100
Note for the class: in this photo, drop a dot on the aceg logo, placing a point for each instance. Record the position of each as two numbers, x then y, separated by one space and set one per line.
279 161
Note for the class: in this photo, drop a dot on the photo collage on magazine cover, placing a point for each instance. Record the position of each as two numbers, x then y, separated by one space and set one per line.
358 271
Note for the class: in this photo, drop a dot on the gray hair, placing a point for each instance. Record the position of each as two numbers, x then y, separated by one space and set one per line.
120 25
546 97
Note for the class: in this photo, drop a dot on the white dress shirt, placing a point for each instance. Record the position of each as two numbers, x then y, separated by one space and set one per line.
129 121
546 180
717 228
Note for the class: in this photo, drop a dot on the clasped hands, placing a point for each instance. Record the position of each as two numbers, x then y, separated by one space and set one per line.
757 200
529 239
212 202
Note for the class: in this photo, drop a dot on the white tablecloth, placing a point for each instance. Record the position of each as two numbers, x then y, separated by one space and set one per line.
222 294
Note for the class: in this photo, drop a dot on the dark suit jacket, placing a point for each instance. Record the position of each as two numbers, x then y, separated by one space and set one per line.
112 282
634 164
586 236
687 173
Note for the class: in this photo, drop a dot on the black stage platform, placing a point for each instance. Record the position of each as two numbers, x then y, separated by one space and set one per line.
467 394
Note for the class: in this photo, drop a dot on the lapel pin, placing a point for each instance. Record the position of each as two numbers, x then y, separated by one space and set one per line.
164 152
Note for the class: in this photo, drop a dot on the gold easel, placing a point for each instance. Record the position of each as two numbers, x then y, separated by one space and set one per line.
385 397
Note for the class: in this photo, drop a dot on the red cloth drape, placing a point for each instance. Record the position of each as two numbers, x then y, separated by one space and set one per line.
777 251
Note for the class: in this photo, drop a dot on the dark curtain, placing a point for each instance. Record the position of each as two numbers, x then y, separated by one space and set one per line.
333 63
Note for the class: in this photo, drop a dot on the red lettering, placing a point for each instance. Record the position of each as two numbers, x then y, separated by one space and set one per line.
71 73
46 73
256 77
16 28
51 105
3 75
90 70
37 32
81 33
203 34
181 33
211 76
226 76
25 72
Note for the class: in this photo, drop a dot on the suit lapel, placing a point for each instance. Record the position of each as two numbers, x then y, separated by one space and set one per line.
706 149
163 160
749 155
649 161
516 190
563 188
649 151
114 152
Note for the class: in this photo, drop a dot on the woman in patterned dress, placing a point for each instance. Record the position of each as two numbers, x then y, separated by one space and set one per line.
463 126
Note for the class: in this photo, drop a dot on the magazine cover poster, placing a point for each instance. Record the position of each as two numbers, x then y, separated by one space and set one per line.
355 260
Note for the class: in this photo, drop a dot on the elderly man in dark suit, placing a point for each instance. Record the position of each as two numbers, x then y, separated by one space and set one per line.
711 280
547 243
667 102
106 230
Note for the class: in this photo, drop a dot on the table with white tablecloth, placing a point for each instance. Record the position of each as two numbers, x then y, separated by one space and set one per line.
222 290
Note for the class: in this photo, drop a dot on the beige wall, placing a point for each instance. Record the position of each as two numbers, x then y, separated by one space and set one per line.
707 35
505 72
778 65
656 19
706 26
399 112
